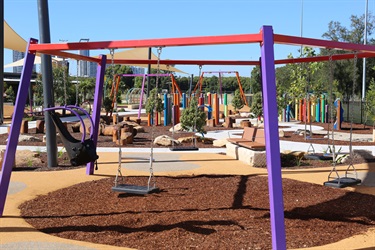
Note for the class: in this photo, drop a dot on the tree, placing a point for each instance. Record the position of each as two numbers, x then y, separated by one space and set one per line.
86 86
10 94
154 103
237 101
344 69
369 107
255 81
257 105
193 118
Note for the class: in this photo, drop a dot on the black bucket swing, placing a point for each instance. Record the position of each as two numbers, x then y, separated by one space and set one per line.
82 151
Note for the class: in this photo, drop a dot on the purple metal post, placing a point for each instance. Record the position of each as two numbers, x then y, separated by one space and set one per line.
272 140
97 105
10 150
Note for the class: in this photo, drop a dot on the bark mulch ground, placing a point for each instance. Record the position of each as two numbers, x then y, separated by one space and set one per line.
200 212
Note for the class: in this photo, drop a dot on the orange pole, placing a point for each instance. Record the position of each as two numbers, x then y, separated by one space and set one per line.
199 84
241 90
216 108
117 79
176 85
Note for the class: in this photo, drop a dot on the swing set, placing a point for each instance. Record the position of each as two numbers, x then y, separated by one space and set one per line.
199 85
266 39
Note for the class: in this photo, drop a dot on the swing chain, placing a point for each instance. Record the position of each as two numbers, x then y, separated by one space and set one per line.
118 174
159 50
331 108
352 107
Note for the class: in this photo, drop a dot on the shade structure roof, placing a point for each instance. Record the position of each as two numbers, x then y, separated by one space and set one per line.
354 50
14 41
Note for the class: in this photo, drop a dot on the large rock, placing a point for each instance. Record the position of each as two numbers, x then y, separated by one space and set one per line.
28 138
165 140
25 158
187 139
281 133
220 143
245 123
77 127
58 138
176 128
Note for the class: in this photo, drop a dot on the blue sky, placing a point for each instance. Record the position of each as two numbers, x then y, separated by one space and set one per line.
97 20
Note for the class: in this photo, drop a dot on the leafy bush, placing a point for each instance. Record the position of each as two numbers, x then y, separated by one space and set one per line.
237 101
193 118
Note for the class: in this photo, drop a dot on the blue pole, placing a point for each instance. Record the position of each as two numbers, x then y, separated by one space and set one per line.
288 113
183 100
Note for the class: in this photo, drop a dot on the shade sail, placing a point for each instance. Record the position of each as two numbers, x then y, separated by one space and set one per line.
12 40
142 53
37 60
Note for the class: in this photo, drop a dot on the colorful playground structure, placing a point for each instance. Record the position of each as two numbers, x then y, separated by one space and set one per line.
314 110
177 100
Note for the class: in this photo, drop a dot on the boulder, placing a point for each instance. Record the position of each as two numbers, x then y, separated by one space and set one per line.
39 127
220 143
187 139
229 122
127 135
58 138
245 123
27 138
281 133
165 140
25 158
176 128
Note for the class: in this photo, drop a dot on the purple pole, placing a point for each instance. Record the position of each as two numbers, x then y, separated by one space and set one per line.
141 98
96 106
272 140
10 150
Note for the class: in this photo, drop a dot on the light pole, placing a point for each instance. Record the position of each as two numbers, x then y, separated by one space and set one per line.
364 59
364 63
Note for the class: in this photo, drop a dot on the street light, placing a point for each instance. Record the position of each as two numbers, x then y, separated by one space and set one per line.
364 59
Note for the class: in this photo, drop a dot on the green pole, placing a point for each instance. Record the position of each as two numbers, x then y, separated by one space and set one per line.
225 105
323 109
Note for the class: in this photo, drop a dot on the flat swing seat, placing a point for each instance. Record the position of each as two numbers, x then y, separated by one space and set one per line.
192 148
342 182
133 189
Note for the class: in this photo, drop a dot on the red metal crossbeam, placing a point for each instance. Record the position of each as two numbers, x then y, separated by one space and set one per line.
71 55
324 58
147 43
187 62
295 40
